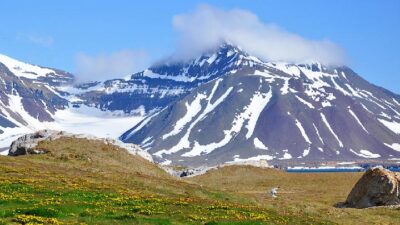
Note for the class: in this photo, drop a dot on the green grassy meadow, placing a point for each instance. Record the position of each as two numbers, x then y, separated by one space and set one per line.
88 182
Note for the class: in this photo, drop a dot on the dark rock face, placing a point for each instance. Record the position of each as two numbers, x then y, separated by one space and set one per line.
132 94
377 187
26 144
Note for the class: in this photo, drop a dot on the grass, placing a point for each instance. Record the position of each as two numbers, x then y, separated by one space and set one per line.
88 182
311 194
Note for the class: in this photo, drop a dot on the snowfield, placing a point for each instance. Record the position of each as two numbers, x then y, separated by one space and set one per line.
83 120
93 121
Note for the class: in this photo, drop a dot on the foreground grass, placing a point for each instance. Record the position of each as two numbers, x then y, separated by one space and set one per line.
88 182
22 203
313 194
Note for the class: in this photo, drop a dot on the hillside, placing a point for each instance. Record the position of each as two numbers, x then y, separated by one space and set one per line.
90 182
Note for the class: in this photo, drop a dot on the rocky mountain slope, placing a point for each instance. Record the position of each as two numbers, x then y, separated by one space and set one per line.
254 110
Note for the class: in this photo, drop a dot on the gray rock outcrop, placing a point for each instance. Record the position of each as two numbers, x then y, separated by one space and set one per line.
26 144
377 187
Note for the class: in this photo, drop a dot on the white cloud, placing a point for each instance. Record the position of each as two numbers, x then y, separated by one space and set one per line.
41 40
207 27
45 41
108 66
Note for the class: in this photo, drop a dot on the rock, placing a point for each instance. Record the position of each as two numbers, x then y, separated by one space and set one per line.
377 187
26 144
187 172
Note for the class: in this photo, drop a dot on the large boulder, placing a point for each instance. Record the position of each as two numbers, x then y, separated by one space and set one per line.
27 143
377 187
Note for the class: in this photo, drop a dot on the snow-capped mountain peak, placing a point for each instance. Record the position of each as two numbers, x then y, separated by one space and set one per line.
211 64
250 110
27 70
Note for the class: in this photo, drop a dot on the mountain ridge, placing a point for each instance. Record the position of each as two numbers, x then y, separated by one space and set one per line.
311 100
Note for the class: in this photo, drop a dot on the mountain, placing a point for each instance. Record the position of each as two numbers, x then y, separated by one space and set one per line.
27 96
26 86
242 109
161 84
35 97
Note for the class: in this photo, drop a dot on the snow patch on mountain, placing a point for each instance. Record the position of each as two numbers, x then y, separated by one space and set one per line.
25 70
286 155
317 132
394 146
337 86
252 112
358 120
305 102
181 78
331 130
286 68
258 144
192 110
285 87
15 103
392 125
302 131
306 152
366 154
254 159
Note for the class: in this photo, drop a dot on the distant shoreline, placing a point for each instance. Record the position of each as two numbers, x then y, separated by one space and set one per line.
336 169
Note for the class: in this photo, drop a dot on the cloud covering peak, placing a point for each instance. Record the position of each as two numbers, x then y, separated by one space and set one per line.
109 65
207 27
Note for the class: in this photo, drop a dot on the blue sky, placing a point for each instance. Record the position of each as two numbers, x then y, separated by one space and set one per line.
55 33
